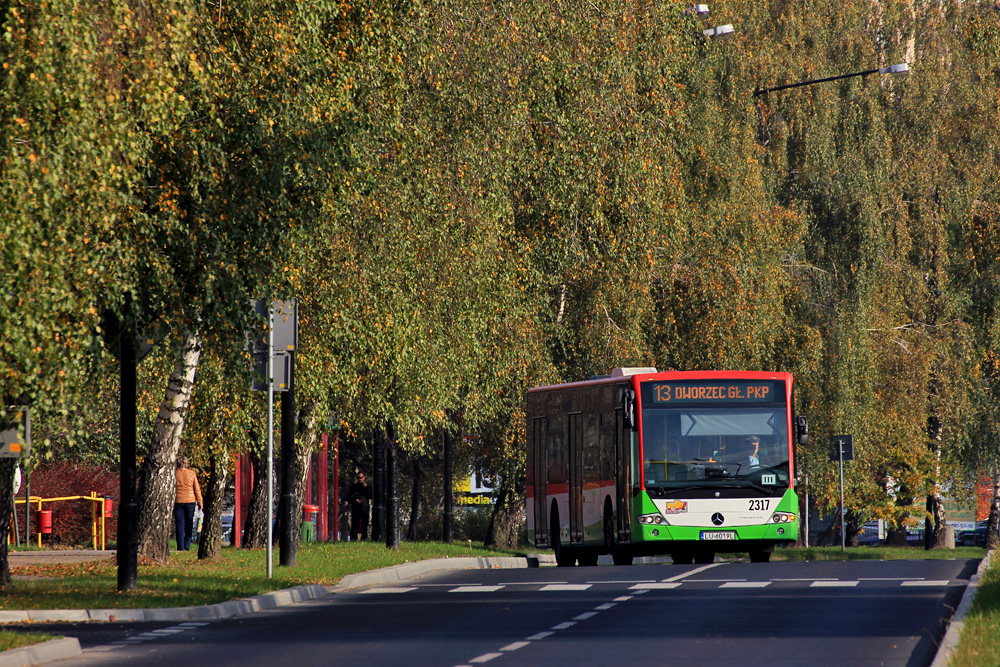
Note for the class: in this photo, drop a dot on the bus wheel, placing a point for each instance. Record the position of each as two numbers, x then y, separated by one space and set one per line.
588 557
760 556
704 557
682 557
564 556
618 554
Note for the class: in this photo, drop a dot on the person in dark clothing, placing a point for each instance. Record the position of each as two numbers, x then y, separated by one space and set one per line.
359 496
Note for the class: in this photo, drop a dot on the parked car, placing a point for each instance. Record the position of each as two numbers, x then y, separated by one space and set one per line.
227 528
973 538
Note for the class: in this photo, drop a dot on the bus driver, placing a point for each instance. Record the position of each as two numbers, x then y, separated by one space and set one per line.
753 452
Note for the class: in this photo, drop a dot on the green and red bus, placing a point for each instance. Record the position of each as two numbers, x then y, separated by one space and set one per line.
643 463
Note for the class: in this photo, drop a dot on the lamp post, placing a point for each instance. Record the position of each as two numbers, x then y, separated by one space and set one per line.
896 71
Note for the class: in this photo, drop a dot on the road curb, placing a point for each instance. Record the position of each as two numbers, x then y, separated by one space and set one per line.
396 573
946 651
265 601
54 649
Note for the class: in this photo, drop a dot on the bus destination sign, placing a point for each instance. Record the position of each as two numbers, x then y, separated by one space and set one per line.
718 391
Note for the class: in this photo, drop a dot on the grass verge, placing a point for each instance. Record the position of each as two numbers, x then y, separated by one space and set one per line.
185 581
876 553
979 645
9 639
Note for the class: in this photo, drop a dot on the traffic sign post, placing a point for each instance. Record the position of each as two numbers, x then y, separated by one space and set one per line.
842 449
274 363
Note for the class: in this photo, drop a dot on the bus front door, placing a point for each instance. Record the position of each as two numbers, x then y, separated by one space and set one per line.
623 477
540 449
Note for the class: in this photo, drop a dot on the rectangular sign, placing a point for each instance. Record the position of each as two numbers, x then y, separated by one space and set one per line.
15 432
713 391
844 443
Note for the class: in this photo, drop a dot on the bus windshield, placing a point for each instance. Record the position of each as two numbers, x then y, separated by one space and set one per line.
736 445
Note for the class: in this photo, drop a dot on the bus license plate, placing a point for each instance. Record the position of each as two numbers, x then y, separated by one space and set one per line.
718 534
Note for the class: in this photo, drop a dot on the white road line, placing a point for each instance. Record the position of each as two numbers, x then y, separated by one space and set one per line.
833 584
475 589
585 615
395 589
486 657
694 571
939 582
647 587
624 598
631 581
514 646
890 578
605 606
745 584
564 626
565 587
808 579
640 591
715 581
540 635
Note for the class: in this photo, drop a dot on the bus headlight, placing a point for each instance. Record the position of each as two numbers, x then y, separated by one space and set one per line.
782 517
656 519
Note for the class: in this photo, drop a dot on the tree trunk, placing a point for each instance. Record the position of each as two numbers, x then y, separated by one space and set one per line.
255 526
7 467
418 478
392 489
378 487
992 537
854 528
156 493
305 445
210 541
505 522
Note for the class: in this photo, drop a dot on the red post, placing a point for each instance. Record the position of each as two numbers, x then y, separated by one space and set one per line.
322 494
244 485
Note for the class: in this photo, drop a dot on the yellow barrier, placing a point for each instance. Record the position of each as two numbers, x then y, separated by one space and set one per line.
97 523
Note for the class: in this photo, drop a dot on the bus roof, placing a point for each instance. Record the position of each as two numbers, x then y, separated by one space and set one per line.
618 375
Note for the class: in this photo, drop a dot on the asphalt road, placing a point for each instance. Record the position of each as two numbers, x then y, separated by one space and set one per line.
820 613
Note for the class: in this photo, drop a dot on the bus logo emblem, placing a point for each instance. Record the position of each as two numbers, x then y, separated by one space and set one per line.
718 519
676 507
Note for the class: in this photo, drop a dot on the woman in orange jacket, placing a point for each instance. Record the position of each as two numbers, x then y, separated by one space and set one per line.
188 495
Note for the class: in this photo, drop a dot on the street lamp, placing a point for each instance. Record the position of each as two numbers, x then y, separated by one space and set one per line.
896 71
720 33
701 11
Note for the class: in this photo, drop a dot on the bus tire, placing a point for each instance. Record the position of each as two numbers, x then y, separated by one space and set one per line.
564 555
619 556
760 556
682 557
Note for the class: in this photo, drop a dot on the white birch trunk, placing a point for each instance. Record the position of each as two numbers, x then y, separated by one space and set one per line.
157 481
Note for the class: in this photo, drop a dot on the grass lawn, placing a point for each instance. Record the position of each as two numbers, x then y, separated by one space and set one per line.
9 640
980 642
186 581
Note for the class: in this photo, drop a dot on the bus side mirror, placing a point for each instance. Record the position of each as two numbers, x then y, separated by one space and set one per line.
628 408
802 429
